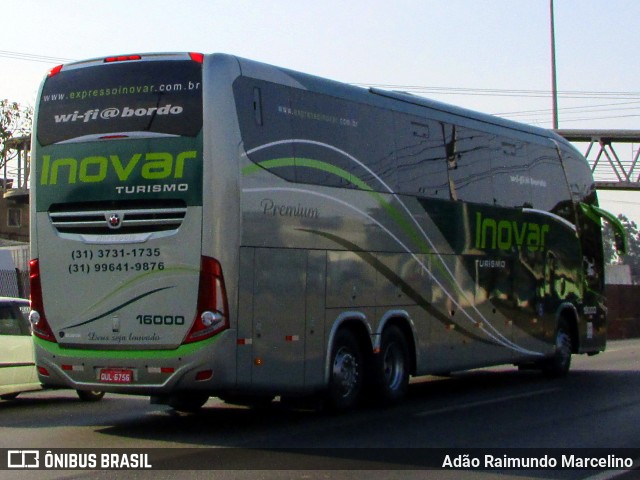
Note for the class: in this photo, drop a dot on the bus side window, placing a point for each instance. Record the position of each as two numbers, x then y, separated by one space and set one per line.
549 187
511 179
421 157
265 116
371 140
470 176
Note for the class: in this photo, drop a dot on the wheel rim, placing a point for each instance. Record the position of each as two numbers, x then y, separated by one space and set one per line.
393 367
345 372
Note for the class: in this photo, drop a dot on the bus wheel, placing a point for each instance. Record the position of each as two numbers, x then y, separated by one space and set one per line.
90 395
347 372
188 402
558 365
392 367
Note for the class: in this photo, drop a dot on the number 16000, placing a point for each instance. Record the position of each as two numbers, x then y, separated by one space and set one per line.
160 319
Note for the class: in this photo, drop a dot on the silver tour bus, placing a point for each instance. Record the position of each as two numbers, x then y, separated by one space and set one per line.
206 225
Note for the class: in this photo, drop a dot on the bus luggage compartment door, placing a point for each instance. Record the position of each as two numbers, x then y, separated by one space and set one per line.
280 318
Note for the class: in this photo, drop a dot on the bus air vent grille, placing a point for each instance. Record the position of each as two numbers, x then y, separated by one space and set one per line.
117 219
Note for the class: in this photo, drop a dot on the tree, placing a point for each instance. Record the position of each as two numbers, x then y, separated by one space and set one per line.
15 121
610 255
632 258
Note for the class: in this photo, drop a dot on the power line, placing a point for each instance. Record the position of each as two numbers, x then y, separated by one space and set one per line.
630 96
616 95
415 88
533 116
583 109
33 58
569 120
569 117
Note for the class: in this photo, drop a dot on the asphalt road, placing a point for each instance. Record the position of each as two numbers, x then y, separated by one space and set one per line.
597 406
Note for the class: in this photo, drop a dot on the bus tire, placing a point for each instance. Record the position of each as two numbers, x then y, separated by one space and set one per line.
346 375
188 402
90 395
391 379
559 364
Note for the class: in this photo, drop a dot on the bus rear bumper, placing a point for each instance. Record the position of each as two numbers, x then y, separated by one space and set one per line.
208 367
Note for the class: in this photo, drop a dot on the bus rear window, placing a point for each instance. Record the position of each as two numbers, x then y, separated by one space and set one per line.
156 96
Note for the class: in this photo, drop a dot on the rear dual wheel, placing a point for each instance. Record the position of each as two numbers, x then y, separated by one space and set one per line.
391 378
559 364
389 371
346 375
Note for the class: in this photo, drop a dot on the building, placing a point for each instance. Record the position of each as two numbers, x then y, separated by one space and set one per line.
14 218
14 203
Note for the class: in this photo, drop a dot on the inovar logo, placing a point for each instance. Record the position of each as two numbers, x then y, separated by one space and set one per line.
98 168
505 234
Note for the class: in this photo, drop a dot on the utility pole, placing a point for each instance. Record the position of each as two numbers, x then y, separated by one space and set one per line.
554 83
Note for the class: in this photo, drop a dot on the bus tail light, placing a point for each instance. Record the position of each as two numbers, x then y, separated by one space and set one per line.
122 58
212 315
196 57
55 70
37 317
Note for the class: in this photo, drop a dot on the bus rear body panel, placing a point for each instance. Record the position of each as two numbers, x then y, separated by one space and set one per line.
118 214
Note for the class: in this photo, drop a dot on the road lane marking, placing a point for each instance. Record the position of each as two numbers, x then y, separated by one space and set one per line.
490 401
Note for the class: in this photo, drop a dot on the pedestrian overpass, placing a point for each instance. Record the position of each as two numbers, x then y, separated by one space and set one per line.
612 154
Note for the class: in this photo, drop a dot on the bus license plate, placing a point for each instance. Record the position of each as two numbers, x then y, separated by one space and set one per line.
116 375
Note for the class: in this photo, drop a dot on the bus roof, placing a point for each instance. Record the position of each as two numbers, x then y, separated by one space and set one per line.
396 100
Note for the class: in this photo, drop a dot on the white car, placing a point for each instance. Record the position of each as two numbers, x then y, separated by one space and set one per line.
17 361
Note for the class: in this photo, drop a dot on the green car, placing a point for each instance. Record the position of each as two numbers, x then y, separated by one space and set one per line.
17 364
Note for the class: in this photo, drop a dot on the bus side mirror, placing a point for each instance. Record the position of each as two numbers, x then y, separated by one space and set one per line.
619 233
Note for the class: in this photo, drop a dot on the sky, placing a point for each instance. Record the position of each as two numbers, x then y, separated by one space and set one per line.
487 55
